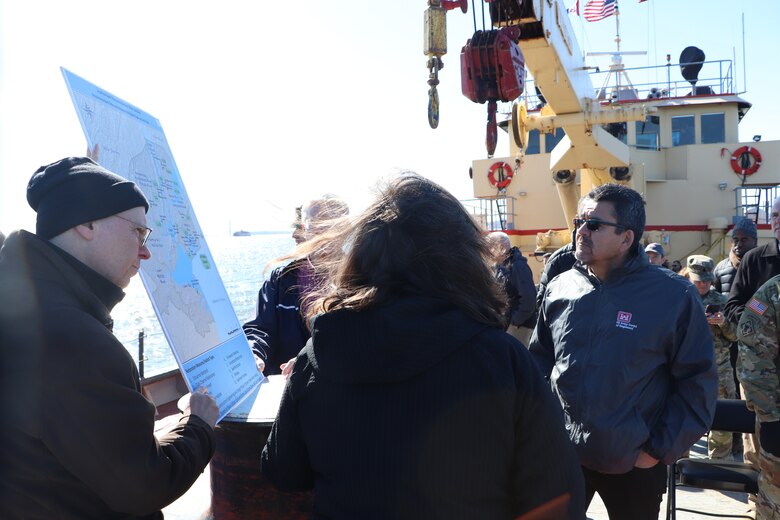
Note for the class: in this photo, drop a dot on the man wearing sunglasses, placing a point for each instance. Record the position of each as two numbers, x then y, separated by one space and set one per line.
627 350
77 439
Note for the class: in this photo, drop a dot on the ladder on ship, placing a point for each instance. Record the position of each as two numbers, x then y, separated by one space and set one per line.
755 202
493 213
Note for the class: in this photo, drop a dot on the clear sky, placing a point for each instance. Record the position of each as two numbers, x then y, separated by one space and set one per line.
267 104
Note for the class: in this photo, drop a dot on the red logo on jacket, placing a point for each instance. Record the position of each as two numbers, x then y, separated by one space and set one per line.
624 321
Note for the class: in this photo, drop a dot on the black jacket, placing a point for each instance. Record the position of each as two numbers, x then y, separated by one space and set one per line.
518 282
279 332
724 276
413 410
631 360
559 262
77 438
757 267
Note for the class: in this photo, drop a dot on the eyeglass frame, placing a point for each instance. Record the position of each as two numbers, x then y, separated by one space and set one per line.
139 229
590 222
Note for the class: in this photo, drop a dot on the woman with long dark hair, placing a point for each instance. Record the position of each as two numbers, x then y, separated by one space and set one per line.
410 401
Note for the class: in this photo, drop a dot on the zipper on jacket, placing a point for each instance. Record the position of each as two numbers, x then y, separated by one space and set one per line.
598 287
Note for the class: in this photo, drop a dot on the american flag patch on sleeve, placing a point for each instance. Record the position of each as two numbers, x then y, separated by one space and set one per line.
757 306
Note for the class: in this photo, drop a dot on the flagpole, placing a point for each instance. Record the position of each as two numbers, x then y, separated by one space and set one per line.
617 38
582 30
617 25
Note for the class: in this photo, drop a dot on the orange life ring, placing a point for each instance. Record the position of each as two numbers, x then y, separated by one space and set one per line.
737 160
504 176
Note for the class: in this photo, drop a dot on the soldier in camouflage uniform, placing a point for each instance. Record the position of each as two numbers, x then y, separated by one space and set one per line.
701 273
758 369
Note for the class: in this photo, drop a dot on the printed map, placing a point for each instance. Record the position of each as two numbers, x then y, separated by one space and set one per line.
181 278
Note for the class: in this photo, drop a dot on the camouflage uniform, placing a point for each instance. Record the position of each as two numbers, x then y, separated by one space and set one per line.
719 443
758 368
701 271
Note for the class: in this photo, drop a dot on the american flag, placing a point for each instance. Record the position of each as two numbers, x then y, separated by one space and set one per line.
575 8
757 306
596 10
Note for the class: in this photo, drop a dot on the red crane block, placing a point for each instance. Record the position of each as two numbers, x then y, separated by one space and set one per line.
492 66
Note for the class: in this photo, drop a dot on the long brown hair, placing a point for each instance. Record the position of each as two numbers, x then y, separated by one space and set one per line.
415 238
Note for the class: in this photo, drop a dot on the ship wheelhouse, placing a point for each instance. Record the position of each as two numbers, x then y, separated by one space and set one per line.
681 158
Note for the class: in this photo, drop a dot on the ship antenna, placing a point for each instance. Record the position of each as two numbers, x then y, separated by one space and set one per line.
617 69
744 60
617 40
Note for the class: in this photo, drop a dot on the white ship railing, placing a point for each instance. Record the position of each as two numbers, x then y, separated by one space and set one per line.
493 213
658 81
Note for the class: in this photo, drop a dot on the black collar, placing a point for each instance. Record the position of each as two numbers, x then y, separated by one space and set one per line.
108 293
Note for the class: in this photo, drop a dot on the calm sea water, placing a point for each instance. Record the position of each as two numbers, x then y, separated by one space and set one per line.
241 262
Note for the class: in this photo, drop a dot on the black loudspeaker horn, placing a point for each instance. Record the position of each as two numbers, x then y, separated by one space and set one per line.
691 60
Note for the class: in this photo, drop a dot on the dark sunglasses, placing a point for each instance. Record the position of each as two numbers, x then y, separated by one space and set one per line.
594 224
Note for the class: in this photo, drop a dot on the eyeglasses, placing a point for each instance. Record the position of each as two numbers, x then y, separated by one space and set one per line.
142 232
593 224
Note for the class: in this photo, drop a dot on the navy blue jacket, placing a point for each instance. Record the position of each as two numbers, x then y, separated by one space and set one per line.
279 331
631 360
518 282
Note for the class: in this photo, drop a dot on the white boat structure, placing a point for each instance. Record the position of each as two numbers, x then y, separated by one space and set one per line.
675 141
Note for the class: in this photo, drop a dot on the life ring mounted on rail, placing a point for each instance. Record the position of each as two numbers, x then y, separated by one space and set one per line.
500 174
746 160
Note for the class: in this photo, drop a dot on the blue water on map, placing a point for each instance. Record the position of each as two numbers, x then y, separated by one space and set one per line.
182 273
241 263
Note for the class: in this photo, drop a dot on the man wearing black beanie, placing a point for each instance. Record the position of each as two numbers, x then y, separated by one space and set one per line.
77 439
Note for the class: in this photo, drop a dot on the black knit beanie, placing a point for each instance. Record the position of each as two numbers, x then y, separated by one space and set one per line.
747 226
76 190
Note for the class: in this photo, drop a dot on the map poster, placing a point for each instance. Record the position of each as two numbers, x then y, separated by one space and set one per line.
181 278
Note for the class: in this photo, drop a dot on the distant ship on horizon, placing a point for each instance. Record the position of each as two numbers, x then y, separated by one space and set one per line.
245 233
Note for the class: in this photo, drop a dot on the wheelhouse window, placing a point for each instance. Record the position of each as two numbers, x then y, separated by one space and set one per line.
713 128
618 130
533 142
683 130
550 140
647 132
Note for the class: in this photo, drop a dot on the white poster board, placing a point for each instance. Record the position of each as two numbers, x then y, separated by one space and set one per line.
181 278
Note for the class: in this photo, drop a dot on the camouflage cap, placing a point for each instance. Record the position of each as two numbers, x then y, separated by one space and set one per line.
701 268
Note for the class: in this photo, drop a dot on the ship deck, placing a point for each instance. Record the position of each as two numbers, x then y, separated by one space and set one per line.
722 503
195 504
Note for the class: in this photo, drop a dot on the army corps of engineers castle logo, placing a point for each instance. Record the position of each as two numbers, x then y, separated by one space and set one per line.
624 321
